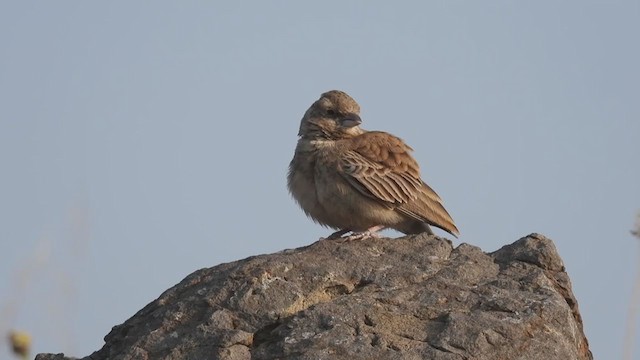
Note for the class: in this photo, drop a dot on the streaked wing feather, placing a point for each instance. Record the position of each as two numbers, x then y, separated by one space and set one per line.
380 167
428 207
380 182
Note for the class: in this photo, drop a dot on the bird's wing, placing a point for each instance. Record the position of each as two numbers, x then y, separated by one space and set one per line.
380 166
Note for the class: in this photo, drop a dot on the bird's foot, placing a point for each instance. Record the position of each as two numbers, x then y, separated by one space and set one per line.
336 235
360 236
371 232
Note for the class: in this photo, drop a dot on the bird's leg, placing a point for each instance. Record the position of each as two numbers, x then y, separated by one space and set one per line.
338 234
371 232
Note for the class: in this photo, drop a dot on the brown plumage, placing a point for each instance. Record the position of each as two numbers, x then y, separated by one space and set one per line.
355 180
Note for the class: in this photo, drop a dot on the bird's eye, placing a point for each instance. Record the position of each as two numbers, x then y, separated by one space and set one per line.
331 112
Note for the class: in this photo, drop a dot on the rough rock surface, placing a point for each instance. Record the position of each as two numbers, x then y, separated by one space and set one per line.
414 297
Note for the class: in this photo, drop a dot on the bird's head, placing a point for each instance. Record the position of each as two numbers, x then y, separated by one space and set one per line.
334 116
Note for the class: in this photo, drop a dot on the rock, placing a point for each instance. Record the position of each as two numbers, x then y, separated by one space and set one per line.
414 297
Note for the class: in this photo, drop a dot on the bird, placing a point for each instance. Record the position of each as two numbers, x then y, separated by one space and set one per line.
358 181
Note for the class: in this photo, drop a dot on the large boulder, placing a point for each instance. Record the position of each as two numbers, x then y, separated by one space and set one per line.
415 297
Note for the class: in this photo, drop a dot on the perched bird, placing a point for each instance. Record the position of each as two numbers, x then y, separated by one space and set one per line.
359 181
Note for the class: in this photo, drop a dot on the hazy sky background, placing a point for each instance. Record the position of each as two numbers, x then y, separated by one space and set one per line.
140 142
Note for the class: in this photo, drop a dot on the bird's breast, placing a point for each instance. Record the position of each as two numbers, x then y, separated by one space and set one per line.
303 184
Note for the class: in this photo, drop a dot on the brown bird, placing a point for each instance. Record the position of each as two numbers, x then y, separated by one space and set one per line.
361 181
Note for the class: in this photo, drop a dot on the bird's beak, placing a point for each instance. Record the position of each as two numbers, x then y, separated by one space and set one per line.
350 120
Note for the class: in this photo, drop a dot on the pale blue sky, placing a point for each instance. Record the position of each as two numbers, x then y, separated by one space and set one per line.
140 142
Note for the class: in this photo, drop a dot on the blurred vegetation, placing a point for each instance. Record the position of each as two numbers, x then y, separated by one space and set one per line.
41 289
634 303
20 343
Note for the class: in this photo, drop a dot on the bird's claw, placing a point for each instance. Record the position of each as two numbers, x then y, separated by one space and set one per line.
361 236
